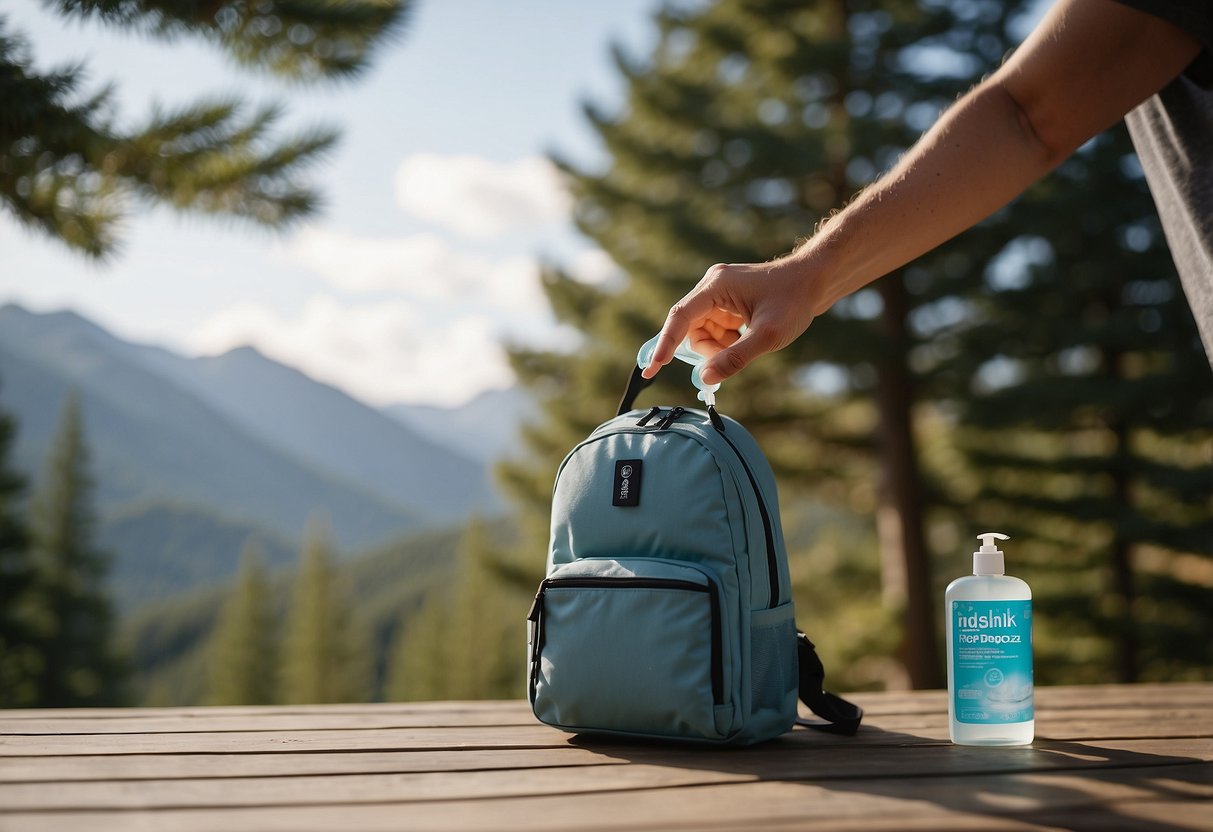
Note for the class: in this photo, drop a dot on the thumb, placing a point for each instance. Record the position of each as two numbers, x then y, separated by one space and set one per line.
730 360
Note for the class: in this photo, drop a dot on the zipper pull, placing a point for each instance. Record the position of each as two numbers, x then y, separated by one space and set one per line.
648 417
671 418
533 635
533 615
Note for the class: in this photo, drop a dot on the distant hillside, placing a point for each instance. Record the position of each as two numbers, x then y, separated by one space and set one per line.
153 440
486 428
332 431
167 640
163 549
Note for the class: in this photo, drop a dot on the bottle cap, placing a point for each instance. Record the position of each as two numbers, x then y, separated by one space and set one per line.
988 560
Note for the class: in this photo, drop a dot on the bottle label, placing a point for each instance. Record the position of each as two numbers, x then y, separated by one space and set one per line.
992 661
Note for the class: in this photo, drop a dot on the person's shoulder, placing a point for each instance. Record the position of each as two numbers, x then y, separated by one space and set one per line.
1193 16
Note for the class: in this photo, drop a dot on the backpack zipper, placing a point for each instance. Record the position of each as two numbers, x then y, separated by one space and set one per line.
648 417
772 561
535 616
671 418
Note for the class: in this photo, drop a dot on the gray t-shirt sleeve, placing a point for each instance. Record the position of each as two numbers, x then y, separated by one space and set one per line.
1173 134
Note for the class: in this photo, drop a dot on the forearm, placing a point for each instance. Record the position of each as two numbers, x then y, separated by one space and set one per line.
1081 70
979 156
1087 64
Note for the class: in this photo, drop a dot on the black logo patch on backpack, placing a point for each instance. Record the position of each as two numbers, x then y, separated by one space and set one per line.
626 490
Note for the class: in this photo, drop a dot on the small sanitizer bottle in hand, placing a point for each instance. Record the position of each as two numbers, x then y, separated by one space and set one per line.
989 617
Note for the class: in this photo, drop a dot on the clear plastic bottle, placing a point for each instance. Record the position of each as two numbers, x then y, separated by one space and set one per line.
707 392
989 637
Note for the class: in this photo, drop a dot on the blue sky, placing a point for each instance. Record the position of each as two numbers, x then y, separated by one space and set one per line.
439 205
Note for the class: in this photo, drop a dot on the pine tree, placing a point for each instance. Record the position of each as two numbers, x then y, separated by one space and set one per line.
750 122
73 612
326 649
243 650
417 661
464 643
1091 425
68 168
19 653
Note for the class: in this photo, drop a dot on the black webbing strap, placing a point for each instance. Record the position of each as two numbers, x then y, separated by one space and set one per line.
841 716
635 384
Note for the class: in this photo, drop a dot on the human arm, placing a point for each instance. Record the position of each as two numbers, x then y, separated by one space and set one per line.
1085 65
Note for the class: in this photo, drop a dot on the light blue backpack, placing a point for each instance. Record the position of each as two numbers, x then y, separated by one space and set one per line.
667 607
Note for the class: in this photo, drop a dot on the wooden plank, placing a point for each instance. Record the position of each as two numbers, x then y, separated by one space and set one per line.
1070 697
1152 815
256 742
1066 725
905 729
1186 700
366 819
357 789
1106 795
415 740
796 761
487 712
269 720
152 722
18 750
1071 724
1081 697
771 760
601 773
533 735
1126 815
508 708
83 768
152 719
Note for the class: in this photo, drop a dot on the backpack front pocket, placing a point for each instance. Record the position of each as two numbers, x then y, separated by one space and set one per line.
631 646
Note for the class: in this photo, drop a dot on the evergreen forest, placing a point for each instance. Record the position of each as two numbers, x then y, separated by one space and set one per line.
1040 375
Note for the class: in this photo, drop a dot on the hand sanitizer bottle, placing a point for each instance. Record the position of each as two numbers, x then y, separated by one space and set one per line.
707 392
989 617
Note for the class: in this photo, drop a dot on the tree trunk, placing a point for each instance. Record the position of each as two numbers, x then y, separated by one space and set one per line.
900 523
1124 590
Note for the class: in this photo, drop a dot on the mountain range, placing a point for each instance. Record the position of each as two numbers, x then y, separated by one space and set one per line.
486 428
191 455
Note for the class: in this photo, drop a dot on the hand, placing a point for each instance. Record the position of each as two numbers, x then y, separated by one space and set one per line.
772 299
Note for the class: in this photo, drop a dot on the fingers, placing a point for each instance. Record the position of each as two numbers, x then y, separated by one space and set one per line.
755 342
767 298
710 337
696 305
663 353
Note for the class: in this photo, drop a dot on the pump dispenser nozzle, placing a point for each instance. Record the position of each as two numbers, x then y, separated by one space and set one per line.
988 560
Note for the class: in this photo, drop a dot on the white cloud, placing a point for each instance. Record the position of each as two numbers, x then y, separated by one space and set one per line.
424 268
407 318
478 197
381 352
595 267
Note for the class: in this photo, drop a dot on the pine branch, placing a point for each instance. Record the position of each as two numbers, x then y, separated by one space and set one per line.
67 173
213 159
303 40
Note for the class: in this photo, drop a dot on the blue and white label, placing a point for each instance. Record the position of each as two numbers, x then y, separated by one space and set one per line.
992 661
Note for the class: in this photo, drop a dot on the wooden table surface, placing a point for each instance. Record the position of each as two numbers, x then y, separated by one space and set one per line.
1109 757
